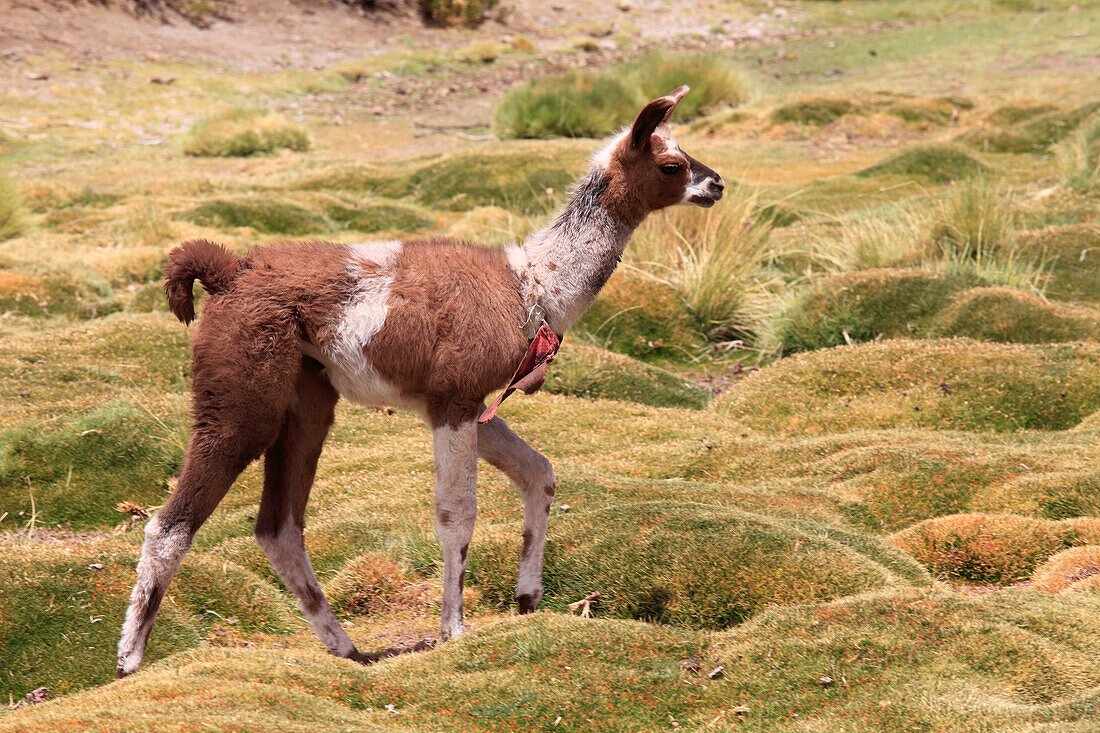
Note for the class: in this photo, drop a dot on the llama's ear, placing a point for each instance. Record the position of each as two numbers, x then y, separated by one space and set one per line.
653 115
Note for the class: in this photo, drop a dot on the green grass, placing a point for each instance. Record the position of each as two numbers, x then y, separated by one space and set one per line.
265 214
954 384
814 111
586 371
938 164
11 217
243 132
593 104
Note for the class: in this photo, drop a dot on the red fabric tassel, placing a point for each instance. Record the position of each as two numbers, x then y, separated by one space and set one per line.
531 372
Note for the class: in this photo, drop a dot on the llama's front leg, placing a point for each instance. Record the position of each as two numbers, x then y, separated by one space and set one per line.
534 477
455 450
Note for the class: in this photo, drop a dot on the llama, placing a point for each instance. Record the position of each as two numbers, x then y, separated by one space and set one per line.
429 326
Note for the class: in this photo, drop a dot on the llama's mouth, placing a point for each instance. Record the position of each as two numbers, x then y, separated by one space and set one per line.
705 201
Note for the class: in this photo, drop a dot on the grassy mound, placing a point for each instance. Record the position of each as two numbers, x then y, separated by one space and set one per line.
991 548
936 163
54 291
1027 129
864 306
586 371
1012 316
593 104
814 111
529 180
1072 255
680 564
639 316
375 584
1030 662
64 603
1070 569
11 216
74 472
375 216
265 215
241 132
954 384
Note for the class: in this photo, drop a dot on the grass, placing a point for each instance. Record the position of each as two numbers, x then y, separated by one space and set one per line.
991 548
243 132
1069 570
936 163
11 217
788 530
953 384
593 104
587 371
715 261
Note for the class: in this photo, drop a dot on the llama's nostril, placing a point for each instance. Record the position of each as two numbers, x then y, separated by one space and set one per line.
718 183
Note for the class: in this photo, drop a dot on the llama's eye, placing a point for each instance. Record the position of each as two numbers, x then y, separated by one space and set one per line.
671 169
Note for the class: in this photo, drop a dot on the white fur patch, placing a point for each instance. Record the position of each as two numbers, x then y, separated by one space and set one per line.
602 158
364 315
161 555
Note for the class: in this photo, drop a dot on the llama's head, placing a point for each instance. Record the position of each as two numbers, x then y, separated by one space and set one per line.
646 170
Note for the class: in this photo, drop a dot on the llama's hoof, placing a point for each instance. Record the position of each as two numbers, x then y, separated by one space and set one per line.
121 673
528 602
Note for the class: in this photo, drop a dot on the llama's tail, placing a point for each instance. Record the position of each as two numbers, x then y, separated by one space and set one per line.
212 264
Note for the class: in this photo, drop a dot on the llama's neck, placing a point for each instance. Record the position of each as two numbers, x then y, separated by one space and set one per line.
574 256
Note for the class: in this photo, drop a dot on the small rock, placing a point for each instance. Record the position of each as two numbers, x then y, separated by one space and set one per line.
717 673
564 507
96 566
825 680
24 394
624 5
690 665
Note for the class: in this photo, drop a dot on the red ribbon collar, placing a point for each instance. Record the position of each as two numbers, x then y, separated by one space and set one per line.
531 372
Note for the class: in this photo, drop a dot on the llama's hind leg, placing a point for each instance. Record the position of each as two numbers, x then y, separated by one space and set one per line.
533 475
213 462
289 468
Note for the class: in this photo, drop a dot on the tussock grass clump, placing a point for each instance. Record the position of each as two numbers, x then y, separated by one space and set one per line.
457 12
814 111
74 472
593 373
936 163
1074 569
713 82
593 104
576 104
241 133
953 384
716 261
683 564
991 548
11 216
640 316
376 584
265 215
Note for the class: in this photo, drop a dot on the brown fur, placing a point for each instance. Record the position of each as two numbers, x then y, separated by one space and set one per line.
453 331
